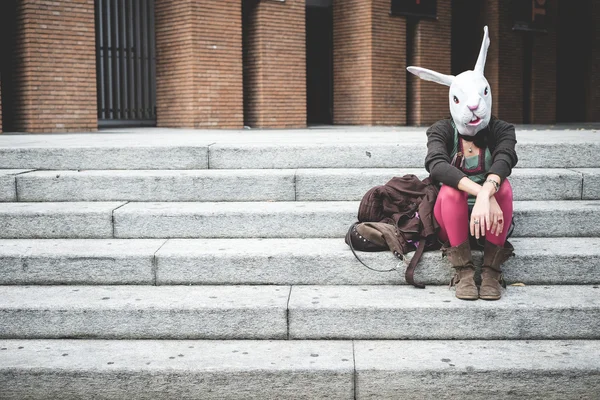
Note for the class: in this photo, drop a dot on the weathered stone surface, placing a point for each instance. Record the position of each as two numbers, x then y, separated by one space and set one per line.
165 185
8 191
77 261
478 370
184 369
401 312
144 312
557 218
352 184
234 220
330 262
591 183
321 219
360 147
57 220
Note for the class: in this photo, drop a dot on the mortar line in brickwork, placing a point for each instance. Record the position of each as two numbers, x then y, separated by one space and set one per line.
113 217
208 155
155 263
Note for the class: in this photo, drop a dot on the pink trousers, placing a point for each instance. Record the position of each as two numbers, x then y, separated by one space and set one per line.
452 213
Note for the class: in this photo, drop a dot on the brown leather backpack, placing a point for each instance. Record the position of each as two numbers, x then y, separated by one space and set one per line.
397 216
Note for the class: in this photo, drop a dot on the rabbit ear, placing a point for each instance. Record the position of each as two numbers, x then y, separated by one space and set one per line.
430 75
480 66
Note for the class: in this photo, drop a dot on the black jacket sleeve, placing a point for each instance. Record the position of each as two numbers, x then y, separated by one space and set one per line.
504 156
440 137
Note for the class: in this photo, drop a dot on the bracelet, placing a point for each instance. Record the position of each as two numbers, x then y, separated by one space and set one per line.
496 184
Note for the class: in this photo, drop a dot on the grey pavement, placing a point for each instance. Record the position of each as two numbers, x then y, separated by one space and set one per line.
182 369
144 312
403 312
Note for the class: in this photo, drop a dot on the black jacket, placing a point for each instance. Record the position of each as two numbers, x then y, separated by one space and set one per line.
500 138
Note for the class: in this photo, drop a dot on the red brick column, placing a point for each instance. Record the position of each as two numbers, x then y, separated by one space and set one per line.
593 96
431 49
543 85
369 63
199 63
55 66
275 64
504 65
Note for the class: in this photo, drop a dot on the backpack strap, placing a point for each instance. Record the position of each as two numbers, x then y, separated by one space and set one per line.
409 275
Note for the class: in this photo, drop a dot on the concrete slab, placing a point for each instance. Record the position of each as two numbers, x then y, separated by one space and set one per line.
477 369
591 183
321 219
8 188
57 220
330 262
150 369
144 312
401 312
389 147
77 261
352 184
165 185
235 220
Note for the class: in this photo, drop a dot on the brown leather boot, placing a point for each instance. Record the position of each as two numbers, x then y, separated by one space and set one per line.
462 261
491 273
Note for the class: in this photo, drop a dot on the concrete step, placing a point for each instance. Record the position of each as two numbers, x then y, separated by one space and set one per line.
8 187
309 312
401 312
591 182
303 148
251 219
267 185
320 219
184 369
57 220
144 312
479 370
545 261
78 261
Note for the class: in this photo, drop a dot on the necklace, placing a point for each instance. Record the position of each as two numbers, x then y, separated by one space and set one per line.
470 147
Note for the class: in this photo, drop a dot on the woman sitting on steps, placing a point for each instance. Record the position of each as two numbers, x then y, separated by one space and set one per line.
472 154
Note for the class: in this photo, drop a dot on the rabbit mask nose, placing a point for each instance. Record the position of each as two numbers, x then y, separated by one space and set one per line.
473 108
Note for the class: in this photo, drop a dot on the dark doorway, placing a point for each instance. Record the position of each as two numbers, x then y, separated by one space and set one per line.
319 62
467 33
125 63
573 60
8 72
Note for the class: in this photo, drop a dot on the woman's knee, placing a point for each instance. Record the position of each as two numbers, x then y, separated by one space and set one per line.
505 191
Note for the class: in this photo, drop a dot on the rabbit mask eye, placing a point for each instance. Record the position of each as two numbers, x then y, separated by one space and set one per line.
485 92
456 101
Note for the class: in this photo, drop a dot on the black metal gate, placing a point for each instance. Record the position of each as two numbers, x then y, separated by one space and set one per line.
125 62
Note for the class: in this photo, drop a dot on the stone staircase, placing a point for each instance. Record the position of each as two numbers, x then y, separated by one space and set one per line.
151 264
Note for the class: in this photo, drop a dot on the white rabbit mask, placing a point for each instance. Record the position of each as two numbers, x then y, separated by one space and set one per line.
470 95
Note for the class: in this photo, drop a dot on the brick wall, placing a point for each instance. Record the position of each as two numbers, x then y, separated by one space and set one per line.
504 68
388 66
54 70
543 84
369 64
431 41
275 64
199 63
352 78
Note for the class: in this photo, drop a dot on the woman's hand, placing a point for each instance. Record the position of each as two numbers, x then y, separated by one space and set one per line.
480 217
496 217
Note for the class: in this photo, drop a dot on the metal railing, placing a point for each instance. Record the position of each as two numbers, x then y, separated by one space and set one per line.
125 62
